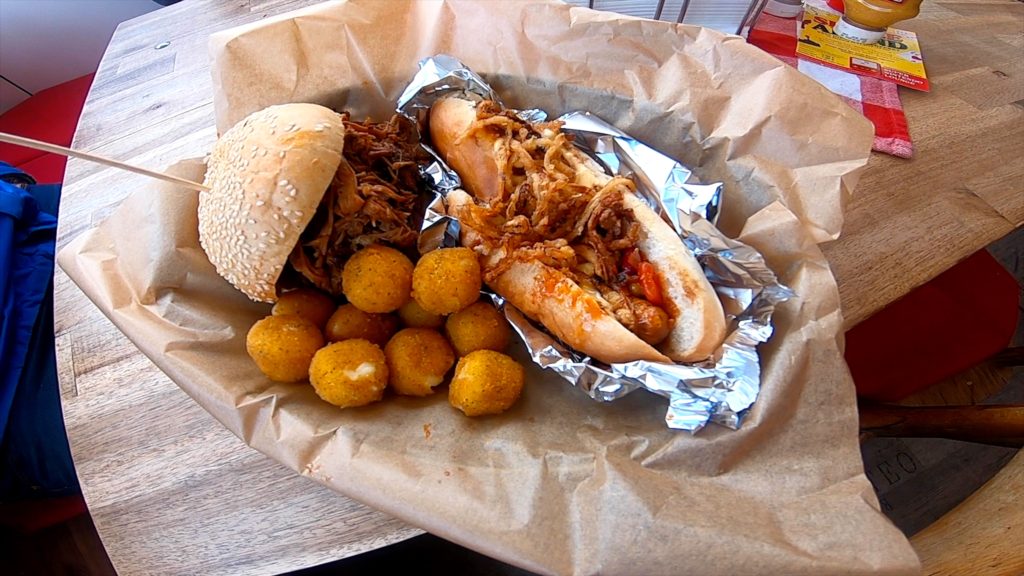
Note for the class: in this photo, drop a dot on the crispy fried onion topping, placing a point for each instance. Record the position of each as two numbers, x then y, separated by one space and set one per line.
371 199
553 209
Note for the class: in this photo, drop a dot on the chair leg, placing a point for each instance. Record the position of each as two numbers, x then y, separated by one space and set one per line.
998 425
1013 356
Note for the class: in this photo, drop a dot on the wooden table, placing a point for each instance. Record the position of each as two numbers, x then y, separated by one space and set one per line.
172 491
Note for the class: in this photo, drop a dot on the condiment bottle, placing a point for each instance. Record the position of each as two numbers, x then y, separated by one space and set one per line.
784 8
865 21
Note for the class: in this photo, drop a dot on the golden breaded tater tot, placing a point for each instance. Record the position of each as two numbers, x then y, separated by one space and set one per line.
479 326
349 373
414 316
283 346
377 279
447 280
485 382
351 322
313 305
418 359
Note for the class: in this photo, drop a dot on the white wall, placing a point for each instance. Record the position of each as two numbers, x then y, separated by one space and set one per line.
46 42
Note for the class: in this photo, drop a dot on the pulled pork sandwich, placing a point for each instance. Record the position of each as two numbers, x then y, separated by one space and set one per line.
296 189
571 246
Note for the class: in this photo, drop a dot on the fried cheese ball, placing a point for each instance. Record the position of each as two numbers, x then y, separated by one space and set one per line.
377 279
311 304
283 346
350 322
486 382
447 280
414 316
349 373
418 359
479 326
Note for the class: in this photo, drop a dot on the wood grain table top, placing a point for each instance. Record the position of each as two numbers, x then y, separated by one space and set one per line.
172 491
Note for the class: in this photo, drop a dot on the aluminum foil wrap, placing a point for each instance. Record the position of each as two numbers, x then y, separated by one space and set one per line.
718 390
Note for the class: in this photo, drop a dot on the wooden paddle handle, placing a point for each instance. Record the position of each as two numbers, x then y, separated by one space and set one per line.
1001 425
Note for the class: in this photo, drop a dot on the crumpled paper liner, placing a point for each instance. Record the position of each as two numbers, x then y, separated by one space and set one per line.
560 483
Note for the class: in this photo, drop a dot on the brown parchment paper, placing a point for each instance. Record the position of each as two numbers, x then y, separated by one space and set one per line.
561 483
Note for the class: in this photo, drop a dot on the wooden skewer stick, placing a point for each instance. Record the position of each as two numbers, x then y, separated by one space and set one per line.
47 147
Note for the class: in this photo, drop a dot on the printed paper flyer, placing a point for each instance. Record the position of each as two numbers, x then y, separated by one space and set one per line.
896 57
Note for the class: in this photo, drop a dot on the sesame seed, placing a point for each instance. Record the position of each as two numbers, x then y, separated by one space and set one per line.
260 203
282 182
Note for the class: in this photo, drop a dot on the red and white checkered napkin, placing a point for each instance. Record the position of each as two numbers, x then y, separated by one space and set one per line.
878 100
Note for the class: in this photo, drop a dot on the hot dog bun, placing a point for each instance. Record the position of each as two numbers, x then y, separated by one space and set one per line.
449 119
553 299
697 312
550 296
475 157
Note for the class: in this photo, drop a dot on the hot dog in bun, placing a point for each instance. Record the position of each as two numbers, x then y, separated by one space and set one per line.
296 189
572 247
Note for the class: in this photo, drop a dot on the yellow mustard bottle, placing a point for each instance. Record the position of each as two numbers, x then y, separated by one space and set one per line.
865 21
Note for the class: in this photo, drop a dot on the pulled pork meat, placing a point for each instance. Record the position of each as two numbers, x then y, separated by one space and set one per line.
372 199
552 209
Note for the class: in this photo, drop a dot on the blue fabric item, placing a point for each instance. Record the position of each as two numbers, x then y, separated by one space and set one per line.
34 454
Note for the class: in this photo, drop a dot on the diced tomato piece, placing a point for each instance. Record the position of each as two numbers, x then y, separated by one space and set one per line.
649 282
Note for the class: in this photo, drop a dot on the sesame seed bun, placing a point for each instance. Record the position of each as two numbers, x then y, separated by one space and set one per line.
267 176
